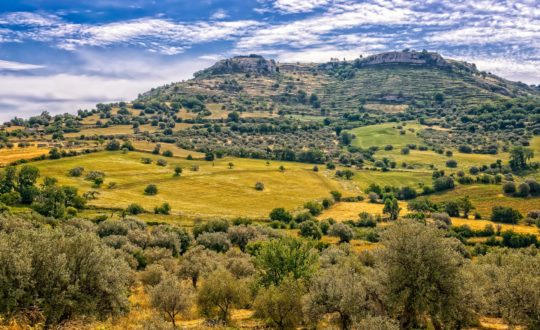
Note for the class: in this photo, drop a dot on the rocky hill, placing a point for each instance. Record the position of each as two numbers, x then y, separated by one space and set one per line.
390 81
252 64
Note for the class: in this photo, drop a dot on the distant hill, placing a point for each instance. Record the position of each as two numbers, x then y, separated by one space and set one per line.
391 81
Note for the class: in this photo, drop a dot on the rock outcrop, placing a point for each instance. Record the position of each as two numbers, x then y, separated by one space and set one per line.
405 57
251 64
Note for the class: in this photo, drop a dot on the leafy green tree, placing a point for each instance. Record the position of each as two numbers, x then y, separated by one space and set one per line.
391 207
343 231
505 214
519 156
217 241
196 263
8 179
466 206
220 293
280 214
151 190
342 290
51 201
452 208
77 276
28 176
310 229
424 276
314 207
281 305
510 281
288 256
134 209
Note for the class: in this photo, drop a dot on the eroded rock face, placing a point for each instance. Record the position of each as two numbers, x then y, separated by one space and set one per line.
419 58
252 64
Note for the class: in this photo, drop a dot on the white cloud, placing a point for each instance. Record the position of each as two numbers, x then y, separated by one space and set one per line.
507 67
299 6
28 18
219 14
156 34
18 66
107 78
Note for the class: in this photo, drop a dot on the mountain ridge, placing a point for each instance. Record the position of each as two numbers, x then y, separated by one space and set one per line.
407 78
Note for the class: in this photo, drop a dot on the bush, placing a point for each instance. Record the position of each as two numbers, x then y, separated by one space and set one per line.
76 171
177 171
93 175
280 214
310 229
509 188
336 195
216 241
443 183
167 153
405 151
146 160
134 209
259 186
210 226
165 208
451 163
151 190
505 214
113 145
534 186
346 174
315 208
10 198
219 293
343 231
161 162
523 190
39 275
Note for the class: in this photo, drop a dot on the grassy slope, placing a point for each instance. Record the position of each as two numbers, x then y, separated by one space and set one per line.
383 134
213 191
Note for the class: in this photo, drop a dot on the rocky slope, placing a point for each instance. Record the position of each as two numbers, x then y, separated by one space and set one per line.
393 78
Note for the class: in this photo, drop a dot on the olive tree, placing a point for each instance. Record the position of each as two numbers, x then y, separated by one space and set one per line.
170 298
424 276
219 293
281 305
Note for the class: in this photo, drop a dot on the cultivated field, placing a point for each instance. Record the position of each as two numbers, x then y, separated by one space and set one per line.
8 155
212 191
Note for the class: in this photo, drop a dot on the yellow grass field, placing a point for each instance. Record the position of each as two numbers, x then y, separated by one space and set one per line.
177 152
213 191
8 155
112 130
393 178
484 197
349 211
481 224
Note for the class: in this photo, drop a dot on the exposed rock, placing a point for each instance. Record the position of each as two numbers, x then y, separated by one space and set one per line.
409 57
252 64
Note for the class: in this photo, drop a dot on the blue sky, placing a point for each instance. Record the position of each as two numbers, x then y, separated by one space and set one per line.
64 55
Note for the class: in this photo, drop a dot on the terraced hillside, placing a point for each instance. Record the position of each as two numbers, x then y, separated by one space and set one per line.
397 78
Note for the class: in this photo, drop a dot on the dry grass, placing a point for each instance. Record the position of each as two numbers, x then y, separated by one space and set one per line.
8 155
481 224
177 152
213 191
484 197
349 211
387 108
